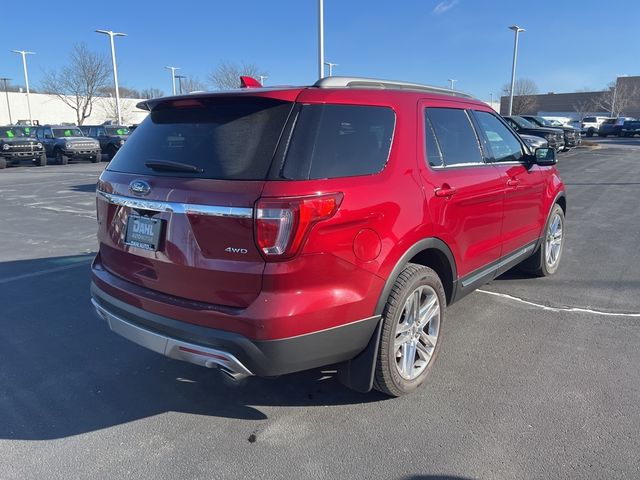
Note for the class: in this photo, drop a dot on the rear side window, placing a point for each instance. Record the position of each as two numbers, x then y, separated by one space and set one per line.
455 136
331 141
232 138
503 144
589 119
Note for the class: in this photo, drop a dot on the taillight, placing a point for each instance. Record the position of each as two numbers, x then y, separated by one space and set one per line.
282 223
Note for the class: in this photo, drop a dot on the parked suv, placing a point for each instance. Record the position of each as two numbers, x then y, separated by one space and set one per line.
272 230
630 128
591 125
554 136
64 143
111 137
16 146
612 126
572 136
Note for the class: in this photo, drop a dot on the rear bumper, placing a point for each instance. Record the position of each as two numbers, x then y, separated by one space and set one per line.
235 353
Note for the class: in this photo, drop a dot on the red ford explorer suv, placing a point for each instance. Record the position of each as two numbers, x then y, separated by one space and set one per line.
265 231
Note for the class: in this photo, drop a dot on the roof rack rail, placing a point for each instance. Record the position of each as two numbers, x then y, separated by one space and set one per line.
361 82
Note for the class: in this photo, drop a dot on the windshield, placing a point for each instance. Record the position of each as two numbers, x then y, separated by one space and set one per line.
67 132
11 133
522 123
21 131
117 131
543 122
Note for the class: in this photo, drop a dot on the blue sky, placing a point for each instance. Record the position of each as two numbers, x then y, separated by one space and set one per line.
568 45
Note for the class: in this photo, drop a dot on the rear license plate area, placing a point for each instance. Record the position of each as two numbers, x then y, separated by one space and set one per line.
143 232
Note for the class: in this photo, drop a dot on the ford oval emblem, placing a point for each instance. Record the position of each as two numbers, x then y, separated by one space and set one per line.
139 187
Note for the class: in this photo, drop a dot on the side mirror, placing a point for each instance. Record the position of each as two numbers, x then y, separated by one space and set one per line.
545 157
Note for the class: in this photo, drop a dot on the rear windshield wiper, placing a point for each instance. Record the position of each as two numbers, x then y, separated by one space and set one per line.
170 166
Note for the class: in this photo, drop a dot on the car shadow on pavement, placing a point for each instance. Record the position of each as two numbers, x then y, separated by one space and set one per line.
85 188
63 372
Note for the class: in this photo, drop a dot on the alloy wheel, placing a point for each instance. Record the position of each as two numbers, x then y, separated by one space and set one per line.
553 241
417 332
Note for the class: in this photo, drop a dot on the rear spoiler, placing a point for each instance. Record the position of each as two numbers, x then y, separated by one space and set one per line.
245 82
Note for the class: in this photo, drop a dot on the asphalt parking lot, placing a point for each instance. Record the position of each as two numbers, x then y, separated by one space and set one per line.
537 378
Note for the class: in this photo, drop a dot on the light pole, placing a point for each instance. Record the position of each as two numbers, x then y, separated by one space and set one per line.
173 77
330 65
6 92
26 78
517 31
262 79
451 82
115 68
320 38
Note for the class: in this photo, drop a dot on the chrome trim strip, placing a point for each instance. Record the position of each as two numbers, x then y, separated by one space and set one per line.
497 266
172 347
176 207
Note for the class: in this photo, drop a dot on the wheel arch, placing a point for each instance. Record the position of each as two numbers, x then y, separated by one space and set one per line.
358 373
429 252
561 199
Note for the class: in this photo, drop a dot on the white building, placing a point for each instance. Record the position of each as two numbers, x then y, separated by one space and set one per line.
50 109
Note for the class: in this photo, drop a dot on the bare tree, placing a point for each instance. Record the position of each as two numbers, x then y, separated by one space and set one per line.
192 84
524 101
227 74
79 82
617 99
16 88
584 107
151 93
125 92
109 107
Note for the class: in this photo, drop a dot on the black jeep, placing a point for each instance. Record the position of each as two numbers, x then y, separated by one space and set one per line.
16 146
111 137
66 143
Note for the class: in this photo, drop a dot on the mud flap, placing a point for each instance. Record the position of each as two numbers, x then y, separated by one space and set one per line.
358 373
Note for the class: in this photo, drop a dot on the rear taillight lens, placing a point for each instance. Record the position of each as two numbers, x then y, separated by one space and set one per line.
282 223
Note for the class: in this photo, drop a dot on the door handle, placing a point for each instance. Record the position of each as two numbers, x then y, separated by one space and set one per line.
445 191
513 182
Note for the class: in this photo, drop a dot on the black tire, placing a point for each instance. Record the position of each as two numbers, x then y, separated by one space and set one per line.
42 160
536 264
387 377
60 158
589 133
97 158
3 163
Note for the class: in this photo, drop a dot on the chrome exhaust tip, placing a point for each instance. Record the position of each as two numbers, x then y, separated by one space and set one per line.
235 376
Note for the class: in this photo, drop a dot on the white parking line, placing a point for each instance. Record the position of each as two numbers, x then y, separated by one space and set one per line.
560 309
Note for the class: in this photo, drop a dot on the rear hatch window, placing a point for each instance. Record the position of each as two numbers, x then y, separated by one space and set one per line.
232 138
